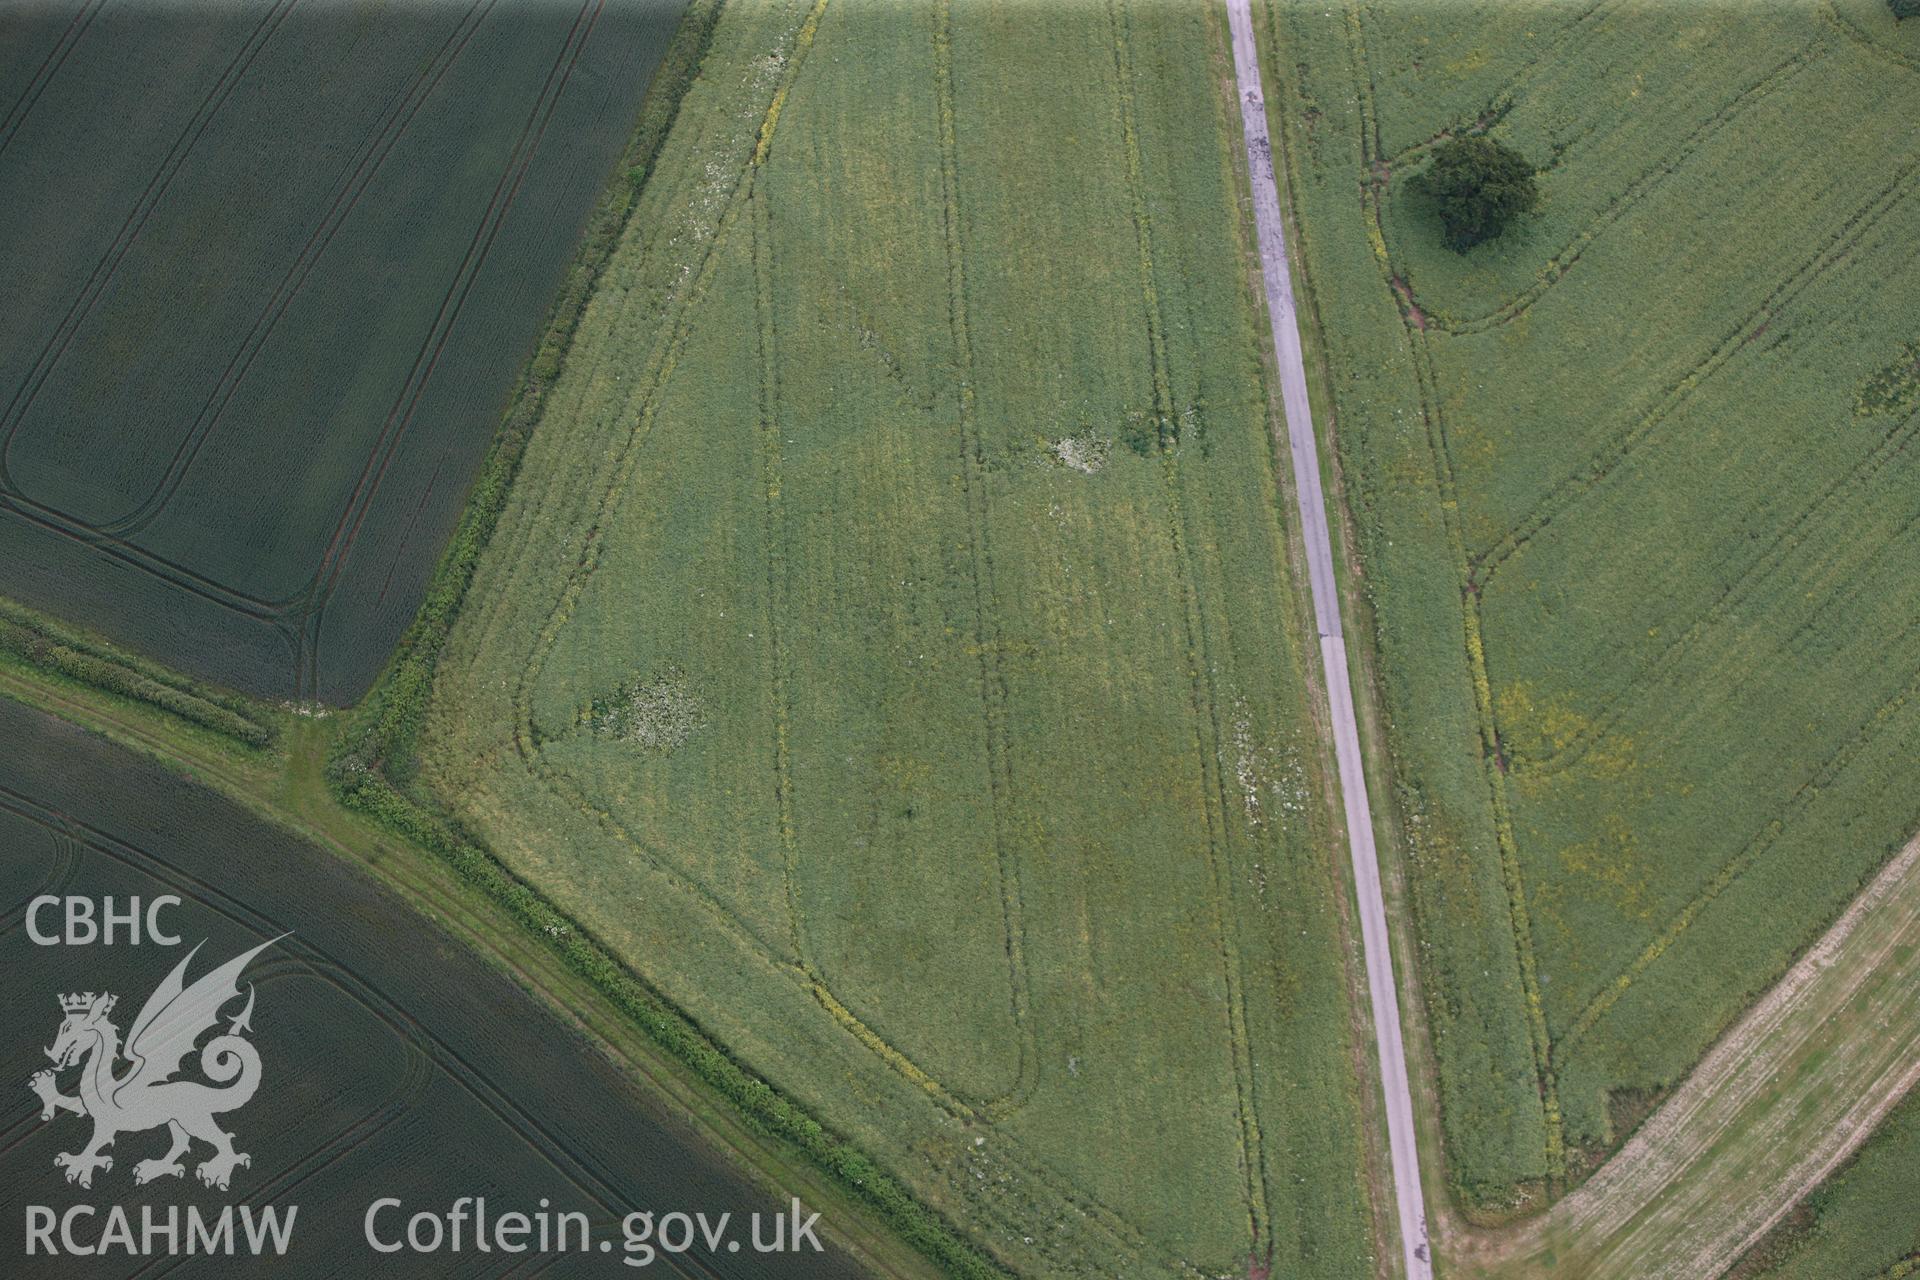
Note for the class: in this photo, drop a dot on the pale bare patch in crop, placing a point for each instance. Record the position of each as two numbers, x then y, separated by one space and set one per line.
1270 779
656 713
1086 452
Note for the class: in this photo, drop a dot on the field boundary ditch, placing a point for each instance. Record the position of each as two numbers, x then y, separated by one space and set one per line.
1492 766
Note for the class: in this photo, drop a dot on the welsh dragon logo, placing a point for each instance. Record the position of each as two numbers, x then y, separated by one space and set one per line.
144 1095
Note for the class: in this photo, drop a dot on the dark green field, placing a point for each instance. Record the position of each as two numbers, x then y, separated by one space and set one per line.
270 271
394 1063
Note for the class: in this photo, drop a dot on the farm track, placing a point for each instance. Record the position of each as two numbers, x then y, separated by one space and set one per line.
1209 743
1785 1096
1475 574
1738 864
1304 449
1765 1117
49 68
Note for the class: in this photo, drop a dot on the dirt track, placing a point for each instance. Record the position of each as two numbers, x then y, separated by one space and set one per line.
1786 1095
1784 1098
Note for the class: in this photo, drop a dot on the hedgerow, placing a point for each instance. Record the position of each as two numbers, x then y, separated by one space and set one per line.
51 647
372 768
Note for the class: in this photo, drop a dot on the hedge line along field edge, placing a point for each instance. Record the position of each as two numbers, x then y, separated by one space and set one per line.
1305 118
371 766
46 652
287 787
388 720
864 398
33 640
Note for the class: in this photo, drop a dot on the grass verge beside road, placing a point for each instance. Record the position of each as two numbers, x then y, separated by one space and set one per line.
1585 662
885 647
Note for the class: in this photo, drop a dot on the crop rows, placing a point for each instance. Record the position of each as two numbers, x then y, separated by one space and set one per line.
373 1055
951 519
1640 574
159 536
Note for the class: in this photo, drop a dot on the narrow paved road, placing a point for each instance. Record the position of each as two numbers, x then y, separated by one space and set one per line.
1333 652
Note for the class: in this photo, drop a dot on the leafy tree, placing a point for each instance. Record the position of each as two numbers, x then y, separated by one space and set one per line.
1480 186
1904 8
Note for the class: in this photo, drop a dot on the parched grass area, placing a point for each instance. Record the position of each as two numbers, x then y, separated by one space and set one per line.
1861 1223
886 649
1634 493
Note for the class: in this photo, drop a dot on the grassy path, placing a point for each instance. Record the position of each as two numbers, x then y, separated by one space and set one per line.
1786 1096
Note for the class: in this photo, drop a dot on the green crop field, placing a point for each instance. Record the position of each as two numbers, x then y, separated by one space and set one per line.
865 679
1860 1225
1634 492
262 310
887 647
394 1062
